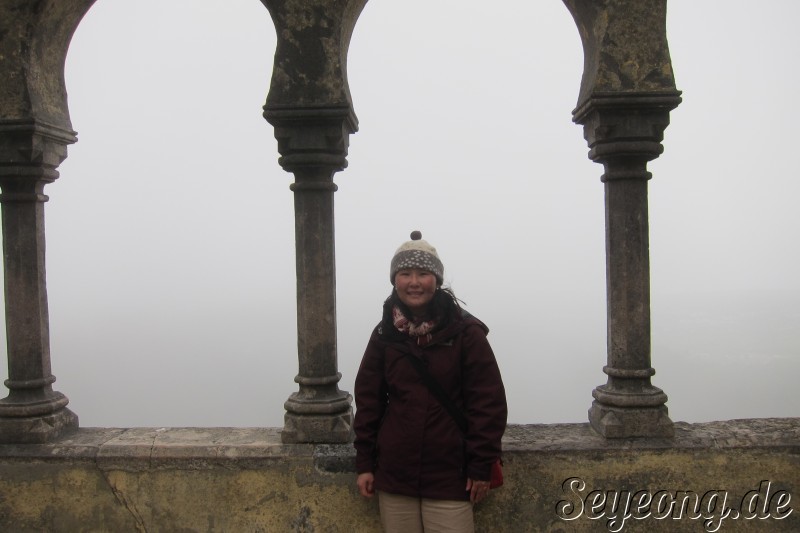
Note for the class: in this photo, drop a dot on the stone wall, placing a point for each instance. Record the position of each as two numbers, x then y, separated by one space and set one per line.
247 480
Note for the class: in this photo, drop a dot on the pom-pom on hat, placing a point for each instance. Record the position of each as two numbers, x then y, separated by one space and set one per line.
417 253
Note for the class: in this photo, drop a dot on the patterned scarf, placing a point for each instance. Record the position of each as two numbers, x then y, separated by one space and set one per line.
420 330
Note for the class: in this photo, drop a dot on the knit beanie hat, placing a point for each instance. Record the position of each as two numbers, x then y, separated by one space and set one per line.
417 253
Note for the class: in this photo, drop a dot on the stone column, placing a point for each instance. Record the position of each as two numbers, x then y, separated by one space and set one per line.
34 133
32 412
626 95
310 107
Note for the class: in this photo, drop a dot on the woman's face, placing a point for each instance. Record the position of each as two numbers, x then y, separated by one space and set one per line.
415 287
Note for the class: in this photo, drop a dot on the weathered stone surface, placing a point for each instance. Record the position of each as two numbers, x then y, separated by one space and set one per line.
627 92
34 38
246 479
309 105
624 46
311 56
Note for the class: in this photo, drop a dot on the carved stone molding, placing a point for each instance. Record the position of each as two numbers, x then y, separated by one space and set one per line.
624 131
316 137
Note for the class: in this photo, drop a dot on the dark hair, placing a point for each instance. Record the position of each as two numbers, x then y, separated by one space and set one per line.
444 308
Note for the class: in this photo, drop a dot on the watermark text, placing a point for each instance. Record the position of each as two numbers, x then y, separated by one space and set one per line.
713 507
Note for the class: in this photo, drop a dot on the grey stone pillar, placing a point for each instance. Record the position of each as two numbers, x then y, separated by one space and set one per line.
310 107
626 95
34 133
33 411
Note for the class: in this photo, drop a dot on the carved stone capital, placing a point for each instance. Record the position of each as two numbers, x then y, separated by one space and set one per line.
309 101
624 131
30 151
312 137
628 87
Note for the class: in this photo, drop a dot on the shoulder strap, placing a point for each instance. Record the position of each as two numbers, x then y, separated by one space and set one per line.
438 391
429 381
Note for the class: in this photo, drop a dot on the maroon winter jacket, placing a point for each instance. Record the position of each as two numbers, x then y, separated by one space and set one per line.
403 433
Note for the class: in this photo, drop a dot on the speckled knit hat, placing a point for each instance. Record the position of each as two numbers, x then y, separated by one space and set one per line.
417 253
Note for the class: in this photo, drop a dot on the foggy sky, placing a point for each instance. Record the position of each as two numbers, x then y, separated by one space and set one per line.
170 245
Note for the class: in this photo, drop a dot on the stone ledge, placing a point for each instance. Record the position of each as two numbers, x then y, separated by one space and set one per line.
246 479
159 446
741 433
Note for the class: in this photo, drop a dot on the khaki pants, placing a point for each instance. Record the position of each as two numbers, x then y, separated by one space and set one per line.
405 514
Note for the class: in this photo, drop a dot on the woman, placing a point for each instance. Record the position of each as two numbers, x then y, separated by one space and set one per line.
427 468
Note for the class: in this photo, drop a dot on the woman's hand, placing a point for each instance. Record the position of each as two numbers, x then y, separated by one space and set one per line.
364 483
478 489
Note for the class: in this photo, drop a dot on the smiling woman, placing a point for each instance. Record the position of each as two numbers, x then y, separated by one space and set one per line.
431 406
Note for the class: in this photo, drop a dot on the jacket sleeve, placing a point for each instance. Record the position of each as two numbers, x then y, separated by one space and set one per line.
371 399
484 401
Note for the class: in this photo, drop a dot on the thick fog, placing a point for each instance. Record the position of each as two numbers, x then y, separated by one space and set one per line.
170 233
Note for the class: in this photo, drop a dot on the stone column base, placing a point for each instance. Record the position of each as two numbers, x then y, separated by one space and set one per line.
615 422
324 420
329 429
37 429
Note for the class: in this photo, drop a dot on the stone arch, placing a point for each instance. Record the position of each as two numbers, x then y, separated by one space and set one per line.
35 129
174 279
626 95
